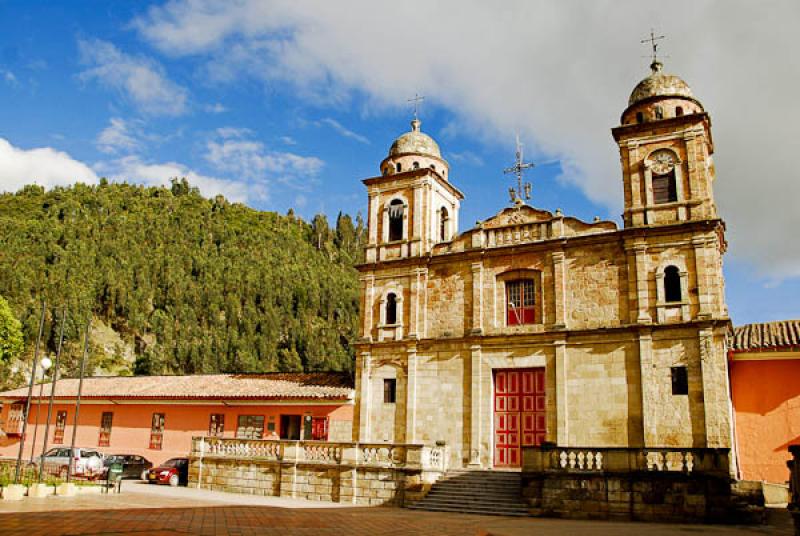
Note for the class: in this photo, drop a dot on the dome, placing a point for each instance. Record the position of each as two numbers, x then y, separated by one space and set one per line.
659 84
415 142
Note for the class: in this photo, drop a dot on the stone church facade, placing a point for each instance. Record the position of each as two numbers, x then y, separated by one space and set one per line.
536 327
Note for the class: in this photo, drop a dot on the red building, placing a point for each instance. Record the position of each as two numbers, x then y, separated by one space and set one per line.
765 389
156 416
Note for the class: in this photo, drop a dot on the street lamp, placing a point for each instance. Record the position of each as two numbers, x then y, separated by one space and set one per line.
45 365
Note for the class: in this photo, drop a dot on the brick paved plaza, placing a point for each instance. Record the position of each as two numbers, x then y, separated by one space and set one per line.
150 510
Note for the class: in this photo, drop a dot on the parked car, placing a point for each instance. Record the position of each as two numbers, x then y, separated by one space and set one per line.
133 465
85 462
174 472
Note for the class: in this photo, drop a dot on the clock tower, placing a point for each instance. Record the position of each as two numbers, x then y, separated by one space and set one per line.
666 151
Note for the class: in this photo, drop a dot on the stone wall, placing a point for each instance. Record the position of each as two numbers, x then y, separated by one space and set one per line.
368 474
690 485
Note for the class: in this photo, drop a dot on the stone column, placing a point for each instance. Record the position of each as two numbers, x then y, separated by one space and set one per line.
716 400
559 290
415 305
649 419
368 282
476 406
291 454
411 394
562 403
642 276
704 286
365 394
477 298
417 235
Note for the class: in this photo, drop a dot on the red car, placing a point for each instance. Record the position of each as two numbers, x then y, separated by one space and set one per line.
174 472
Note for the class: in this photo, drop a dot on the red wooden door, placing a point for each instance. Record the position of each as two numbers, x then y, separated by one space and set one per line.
519 413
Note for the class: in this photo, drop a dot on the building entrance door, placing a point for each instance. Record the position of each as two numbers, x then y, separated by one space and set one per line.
519 413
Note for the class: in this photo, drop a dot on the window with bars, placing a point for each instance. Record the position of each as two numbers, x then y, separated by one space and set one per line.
664 188
105 429
216 425
521 303
157 431
250 427
58 431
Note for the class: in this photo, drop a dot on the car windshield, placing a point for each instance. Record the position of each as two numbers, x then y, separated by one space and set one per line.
174 462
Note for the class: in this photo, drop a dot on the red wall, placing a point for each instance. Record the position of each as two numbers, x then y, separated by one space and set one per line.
766 401
130 433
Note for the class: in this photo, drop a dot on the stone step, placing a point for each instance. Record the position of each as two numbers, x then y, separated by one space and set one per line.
427 501
472 510
507 497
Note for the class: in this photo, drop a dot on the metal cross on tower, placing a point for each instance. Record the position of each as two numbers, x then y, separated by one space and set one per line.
518 168
416 100
652 40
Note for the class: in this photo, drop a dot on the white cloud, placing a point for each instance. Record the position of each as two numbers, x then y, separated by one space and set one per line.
9 77
344 131
559 73
117 137
466 157
44 166
139 79
216 108
288 140
235 152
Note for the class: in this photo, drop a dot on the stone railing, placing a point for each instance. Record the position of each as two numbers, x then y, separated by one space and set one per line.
377 455
516 234
554 459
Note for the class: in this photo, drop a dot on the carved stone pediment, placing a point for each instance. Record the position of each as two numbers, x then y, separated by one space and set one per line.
517 216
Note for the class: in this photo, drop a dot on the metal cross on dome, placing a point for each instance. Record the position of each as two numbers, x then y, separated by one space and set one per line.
416 100
652 40
518 169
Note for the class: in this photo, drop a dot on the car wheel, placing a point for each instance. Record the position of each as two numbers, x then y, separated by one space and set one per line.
174 480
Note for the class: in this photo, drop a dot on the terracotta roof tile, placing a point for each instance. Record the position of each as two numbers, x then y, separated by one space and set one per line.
779 334
315 385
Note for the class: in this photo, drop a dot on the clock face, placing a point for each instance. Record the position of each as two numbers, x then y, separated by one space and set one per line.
662 162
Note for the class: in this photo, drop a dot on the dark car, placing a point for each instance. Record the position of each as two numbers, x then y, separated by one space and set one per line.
133 466
174 472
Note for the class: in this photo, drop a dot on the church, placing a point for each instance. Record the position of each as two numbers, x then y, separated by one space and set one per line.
538 328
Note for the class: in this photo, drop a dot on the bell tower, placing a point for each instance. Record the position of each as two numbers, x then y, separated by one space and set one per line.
666 153
412 205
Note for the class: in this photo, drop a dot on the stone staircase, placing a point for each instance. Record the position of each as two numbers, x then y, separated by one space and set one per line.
476 492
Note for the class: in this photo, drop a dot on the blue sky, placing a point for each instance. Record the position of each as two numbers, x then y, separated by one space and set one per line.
282 105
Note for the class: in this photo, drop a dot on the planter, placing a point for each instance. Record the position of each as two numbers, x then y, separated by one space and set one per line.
41 490
13 492
66 490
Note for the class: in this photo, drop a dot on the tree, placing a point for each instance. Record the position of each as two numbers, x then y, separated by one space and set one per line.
11 342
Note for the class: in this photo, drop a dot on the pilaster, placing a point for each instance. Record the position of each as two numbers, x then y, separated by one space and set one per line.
559 290
476 409
704 286
364 390
477 298
411 394
562 407
649 402
642 291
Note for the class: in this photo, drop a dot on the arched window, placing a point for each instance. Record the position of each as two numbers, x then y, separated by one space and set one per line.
672 284
678 111
659 112
639 117
664 188
416 165
444 220
391 309
396 210
386 170
399 167
521 302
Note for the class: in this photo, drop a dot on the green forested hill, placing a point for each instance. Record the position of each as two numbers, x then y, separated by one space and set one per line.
183 283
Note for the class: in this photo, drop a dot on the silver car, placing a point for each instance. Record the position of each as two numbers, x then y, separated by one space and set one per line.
86 463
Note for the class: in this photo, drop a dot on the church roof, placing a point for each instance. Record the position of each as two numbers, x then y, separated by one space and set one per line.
415 141
768 335
270 386
660 84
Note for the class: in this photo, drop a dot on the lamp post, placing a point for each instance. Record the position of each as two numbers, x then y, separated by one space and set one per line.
52 391
45 365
